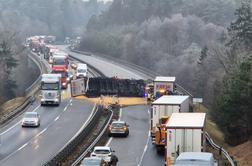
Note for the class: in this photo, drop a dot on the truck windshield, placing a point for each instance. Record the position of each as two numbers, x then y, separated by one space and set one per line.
59 61
49 86
63 73
81 70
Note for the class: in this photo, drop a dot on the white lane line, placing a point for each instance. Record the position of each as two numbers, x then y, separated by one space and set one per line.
65 109
42 131
22 146
56 118
19 122
83 126
120 113
144 151
109 141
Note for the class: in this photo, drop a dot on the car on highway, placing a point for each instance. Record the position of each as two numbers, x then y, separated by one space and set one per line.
118 128
103 152
93 161
31 119
70 76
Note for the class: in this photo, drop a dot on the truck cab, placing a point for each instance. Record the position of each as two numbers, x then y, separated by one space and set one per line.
50 89
60 66
81 70
164 86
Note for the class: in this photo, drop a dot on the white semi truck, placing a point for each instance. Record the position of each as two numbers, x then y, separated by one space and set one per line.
185 133
161 111
50 89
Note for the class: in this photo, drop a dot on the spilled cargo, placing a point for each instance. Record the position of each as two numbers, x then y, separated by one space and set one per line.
112 86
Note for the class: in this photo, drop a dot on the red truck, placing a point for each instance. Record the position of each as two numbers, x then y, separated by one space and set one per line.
60 66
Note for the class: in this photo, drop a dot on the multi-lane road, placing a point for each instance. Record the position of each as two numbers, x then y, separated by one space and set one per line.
137 149
35 146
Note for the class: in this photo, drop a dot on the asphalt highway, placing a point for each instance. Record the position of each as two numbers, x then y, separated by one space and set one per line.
35 146
38 145
136 149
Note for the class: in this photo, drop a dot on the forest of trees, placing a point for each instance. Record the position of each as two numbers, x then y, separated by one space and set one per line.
50 17
21 19
205 44
160 34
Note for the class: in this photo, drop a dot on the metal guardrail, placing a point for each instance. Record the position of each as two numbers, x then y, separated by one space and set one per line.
93 144
217 147
71 145
42 68
99 73
152 74
29 92
149 73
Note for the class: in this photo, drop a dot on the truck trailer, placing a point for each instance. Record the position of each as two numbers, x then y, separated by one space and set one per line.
185 133
164 86
50 89
161 111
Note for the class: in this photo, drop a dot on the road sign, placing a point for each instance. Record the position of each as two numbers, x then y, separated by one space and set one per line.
77 87
197 100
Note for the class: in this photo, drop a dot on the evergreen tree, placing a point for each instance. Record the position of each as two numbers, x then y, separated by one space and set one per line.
233 110
240 31
8 62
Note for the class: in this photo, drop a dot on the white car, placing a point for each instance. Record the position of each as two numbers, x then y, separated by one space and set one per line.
31 119
103 152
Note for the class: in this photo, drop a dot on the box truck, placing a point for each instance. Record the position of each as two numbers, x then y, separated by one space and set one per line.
162 109
164 86
185 133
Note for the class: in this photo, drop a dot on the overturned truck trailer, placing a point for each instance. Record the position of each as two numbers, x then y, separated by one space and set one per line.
111 86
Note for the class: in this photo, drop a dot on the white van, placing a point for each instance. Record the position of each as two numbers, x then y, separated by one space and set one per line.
81 70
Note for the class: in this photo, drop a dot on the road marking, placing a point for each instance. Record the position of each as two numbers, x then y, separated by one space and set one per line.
56 118
120 113
65 108
42 131
19 122
83 126
109 141
145 149
36 147
22 146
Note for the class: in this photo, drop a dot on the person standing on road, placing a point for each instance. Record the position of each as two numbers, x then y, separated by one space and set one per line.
114 160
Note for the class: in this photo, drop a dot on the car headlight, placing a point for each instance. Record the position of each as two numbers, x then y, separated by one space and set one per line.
64 84
68 79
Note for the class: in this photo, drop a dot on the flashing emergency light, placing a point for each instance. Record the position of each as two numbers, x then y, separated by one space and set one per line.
145 94
162 90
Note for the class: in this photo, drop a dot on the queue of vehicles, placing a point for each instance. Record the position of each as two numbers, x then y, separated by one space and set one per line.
175 131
